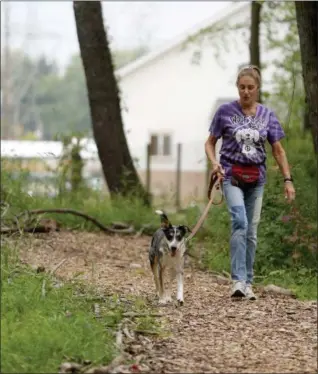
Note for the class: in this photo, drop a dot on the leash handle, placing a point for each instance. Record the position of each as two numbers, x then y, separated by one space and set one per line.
215 180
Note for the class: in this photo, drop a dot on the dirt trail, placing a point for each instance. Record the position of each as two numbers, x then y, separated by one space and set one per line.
210 333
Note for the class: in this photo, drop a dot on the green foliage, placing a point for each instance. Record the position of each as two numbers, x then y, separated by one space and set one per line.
52 101
62 101
27 73
71 163
280 29
14 194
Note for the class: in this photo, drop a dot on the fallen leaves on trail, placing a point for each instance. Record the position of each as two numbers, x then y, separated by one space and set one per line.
210 333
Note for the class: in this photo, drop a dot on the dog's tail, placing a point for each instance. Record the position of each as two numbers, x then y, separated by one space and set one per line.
165 223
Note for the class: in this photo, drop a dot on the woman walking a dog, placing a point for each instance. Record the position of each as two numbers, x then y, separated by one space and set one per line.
244 126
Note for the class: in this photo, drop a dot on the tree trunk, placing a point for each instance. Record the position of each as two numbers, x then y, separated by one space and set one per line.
103 95
255 58
307 18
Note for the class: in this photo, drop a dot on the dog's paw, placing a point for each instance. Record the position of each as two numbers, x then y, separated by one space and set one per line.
180 302
168 299
162 301
165 300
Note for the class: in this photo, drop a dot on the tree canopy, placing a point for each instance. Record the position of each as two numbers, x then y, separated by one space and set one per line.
49 102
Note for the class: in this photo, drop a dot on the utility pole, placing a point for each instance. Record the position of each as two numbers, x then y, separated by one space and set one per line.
6 105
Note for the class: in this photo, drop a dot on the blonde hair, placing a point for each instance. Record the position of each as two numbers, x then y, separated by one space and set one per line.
252 71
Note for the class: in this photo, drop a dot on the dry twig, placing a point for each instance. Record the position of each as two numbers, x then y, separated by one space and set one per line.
43 288
57 266
119 336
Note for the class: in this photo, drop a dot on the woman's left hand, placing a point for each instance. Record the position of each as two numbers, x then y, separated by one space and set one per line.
289 191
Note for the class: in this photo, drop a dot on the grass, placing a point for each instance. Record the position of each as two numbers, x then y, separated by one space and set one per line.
40 331
147 323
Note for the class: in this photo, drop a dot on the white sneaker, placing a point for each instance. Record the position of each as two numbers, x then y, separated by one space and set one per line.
238 289
249 292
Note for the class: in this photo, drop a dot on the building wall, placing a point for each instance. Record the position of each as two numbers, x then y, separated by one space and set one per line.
193 187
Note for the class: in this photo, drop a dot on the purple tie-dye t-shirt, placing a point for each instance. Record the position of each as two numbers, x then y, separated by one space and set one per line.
244 137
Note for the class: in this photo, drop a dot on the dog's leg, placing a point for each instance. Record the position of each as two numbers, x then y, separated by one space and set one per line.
180 282
154 268
161 285
168 296
180 287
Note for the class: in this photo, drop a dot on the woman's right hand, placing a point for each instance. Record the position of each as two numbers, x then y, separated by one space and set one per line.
217 168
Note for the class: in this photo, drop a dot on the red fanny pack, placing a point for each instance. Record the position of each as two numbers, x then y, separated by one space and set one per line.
245 174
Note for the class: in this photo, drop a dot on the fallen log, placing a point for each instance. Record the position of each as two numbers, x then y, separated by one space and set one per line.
276 290
129 230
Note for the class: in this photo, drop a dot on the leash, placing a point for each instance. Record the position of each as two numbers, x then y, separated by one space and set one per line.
214 186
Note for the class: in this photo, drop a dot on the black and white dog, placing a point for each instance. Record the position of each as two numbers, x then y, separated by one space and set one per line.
166 254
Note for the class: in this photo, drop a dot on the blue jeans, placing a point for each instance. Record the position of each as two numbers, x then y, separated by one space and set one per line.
245 211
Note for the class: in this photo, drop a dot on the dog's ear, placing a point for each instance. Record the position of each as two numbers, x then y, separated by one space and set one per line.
184 229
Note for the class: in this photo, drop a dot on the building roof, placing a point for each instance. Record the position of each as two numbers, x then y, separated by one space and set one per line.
231 10
42 149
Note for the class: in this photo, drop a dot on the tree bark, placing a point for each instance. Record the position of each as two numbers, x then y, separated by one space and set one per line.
307 19
103 94
255 54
